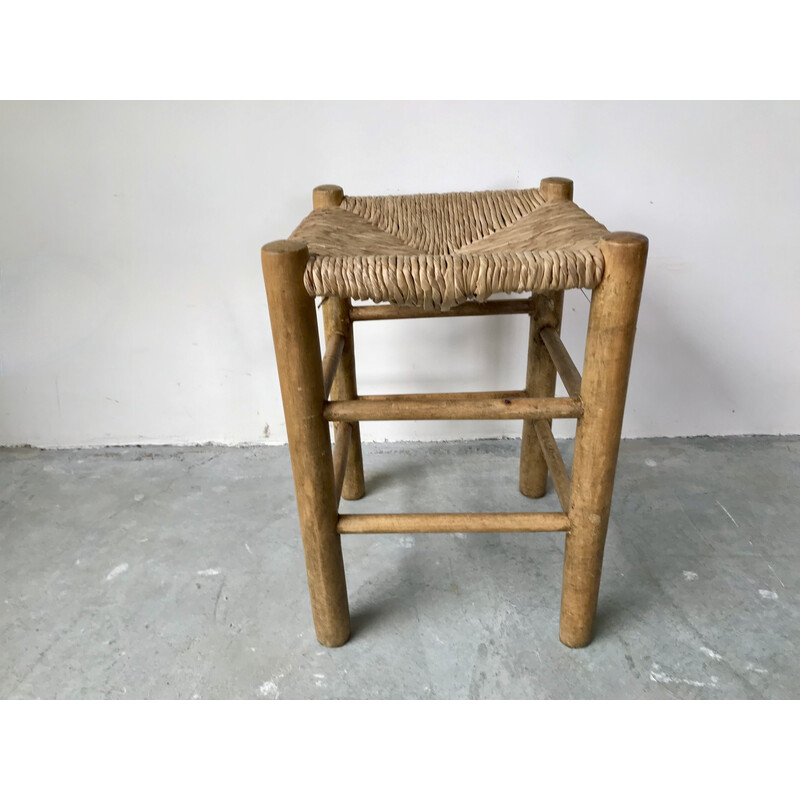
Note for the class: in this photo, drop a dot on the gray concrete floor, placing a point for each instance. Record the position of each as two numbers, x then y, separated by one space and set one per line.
162 572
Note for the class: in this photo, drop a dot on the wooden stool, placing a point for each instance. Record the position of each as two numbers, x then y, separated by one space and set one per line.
443 255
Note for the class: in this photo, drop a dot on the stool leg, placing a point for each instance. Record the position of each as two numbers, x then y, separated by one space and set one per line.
336 315
540 382
293 319
609 347
541 377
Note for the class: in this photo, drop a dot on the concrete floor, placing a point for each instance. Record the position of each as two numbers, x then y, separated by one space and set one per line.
162 572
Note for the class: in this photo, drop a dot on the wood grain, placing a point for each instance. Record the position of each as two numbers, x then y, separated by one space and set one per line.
609 348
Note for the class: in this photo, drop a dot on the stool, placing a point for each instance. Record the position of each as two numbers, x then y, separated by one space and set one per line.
444 255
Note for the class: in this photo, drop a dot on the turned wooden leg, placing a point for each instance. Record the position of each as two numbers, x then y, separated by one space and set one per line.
293 319
609 346
336 317
541 375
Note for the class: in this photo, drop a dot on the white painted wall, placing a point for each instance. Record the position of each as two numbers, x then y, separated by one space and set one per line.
132 308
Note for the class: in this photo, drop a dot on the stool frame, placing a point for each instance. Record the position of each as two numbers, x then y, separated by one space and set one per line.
596 399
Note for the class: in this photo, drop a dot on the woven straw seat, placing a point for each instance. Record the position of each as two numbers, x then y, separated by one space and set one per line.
439 250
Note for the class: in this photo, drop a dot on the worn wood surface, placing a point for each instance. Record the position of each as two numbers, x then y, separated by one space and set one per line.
562 360
453 523
330 361
411 407
293 320
341 448
555 463
609 347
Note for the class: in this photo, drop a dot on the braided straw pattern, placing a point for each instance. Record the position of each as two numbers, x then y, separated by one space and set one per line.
436 251
444 281
443 223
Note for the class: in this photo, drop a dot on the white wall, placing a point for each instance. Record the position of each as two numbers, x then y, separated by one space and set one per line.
132 308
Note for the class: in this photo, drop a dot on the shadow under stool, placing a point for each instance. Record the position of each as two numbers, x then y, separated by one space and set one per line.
444 255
